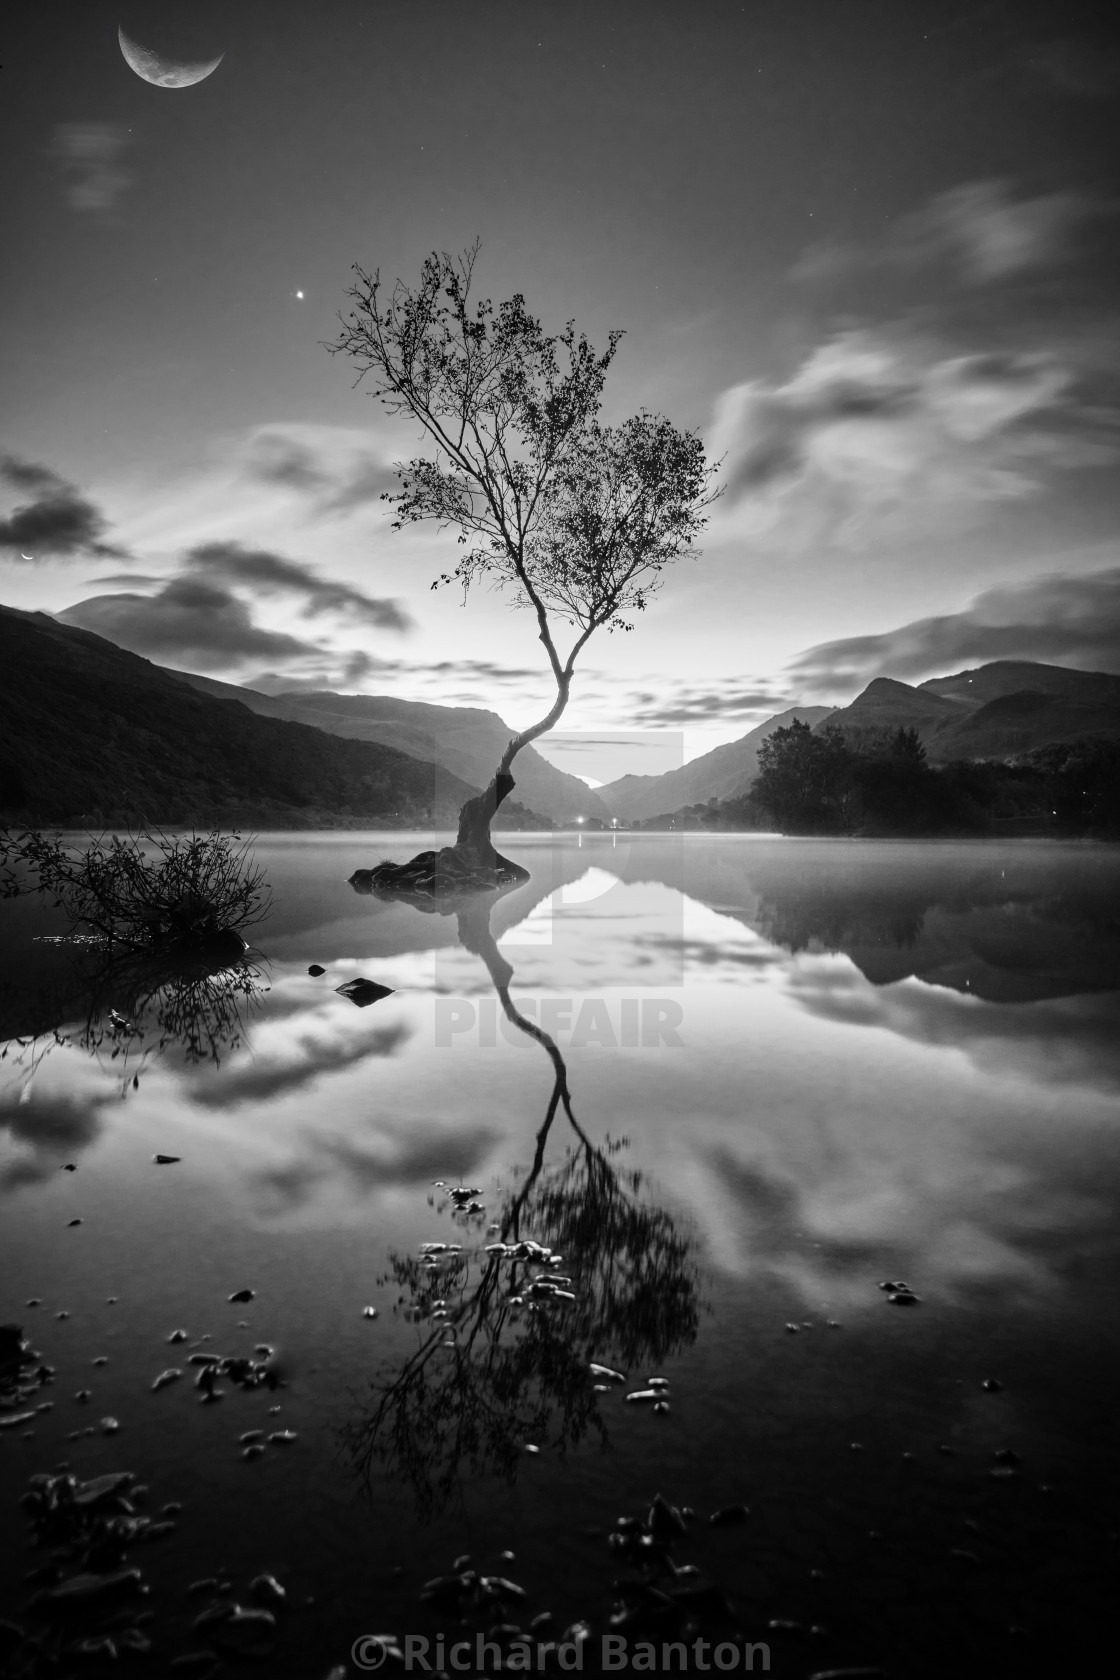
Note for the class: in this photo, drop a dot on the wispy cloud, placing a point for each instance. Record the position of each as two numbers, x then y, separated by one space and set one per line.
1054 619
681 705
978 233
336 469
267 574
883 431
188 621
89 157
1076 69
56 522
973 359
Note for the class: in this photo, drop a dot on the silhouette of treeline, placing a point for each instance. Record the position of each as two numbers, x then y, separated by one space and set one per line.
880 783
93 734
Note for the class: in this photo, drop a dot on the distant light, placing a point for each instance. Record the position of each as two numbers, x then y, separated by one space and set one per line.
299 294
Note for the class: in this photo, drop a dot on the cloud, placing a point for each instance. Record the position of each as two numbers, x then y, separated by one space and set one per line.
337 469
704 705
189 620
56 523
978 232
195 618
89 155
267 573
968 356
883 429
1078 69
484 675
1055 619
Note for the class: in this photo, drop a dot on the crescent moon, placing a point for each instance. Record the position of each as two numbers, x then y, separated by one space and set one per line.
161 71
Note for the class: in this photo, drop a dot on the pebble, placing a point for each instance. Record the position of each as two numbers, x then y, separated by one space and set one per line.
243 1295
727 1515
605 1373
251 1435
991 1385
102 1359
254 1450
71 1222
83 1395
369 1312
282 1437
316 969
177 1336
109 1426
165 1377
643 1396
266 1589
166 1160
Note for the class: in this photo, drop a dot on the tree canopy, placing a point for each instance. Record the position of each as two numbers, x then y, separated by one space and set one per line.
577 519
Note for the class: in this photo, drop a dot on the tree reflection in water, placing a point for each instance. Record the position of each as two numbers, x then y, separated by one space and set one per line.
127 1010
577 1265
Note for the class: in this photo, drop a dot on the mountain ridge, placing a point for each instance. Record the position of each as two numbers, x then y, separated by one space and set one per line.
722 773
467 741
95 733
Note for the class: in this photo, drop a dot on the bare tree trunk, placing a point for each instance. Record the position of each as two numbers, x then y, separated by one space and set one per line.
472 863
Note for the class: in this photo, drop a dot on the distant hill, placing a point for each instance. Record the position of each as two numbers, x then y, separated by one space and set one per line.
92 733
464 740
993 712
722 773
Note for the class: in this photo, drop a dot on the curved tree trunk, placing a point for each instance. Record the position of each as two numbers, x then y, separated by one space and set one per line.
478 813
472 864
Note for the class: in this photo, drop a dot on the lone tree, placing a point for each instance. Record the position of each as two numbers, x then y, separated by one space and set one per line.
578 520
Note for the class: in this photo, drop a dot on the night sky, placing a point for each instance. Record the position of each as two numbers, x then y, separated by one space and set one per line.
870 249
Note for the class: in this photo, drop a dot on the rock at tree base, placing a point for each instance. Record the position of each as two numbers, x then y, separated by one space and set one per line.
449 873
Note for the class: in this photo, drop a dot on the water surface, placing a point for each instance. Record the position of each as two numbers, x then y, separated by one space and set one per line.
797 1069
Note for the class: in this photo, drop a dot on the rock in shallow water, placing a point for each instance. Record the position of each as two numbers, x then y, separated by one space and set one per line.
363 992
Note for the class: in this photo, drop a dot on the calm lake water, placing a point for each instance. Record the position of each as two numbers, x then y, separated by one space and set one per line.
798 1069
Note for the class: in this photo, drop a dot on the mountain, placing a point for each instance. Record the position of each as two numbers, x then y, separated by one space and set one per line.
889 705
995 711
1017 676
93 734
464 740
722 773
